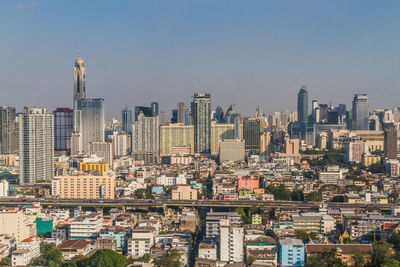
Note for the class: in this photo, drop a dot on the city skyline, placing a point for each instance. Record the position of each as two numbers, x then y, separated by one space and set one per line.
244 54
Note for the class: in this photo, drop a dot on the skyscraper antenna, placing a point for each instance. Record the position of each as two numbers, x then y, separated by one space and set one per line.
79 53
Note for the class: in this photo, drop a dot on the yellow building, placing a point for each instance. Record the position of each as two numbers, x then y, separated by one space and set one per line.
94 168
368 160
220 131
176 135
184 192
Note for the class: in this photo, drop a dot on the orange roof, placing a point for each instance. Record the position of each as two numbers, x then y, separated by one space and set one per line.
30 239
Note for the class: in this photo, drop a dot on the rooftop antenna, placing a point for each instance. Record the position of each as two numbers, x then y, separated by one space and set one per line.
79 53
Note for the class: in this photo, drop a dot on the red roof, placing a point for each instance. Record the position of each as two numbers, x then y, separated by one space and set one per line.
30 239
78 244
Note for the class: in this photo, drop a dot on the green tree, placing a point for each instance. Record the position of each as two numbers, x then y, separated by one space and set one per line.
297 195
394 239
250 260
50 256
172 259
107 258
391 262
381 251
327 258
358 259
5 261
315 196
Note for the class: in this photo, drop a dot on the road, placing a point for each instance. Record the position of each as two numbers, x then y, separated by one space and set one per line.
144 203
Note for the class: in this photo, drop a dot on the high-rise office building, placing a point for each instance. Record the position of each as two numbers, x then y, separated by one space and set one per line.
251 134
127 120
174 118
219 115
201 114
154 109
360 112
63 126
390 143
36 145
181 108
175 135
102 150
302 106
79 80
8 131
231 116
147 111
91 121
145 138
220 132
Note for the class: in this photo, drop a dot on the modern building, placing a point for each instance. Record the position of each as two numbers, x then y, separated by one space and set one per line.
15 223
147 111
36 145
231 116
219 115
231 241
332 175
231 150
251 134
91 119
360 112
145 138
8 131
181 109
102 150
141 242
184 192
127 120
85 227
120 143
313 222
63 127
154 109
390 143
213 222
176 135
84 186
355 150
79 80
302 106
220 131
201 117
291 252
4 186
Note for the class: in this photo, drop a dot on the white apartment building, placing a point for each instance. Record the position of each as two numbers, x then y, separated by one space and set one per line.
141 242
170 180
120 144
213 222
333 175
313 222
28 249
207 251
85 226
231 241
3 188
36 145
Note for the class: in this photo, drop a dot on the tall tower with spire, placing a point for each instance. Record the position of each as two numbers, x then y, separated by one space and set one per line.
79 79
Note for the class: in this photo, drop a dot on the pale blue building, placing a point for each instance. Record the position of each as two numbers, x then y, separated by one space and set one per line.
291 252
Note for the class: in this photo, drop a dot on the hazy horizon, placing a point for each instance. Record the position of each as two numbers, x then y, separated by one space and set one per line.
251 53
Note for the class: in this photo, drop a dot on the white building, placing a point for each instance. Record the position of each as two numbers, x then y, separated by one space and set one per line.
169 180
3 188
146 138
32 244
333 175
85 226
141 242
36 145
313 222
213 222
207 251
231 241
120 144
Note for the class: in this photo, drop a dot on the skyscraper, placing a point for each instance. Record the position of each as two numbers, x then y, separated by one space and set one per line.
360 112
302 106
63 126
154 109
251 134
181 107
91 121
201 114
36 145
147 111
79 80
231 116
127 120
174 118
8 131
390 143
145 138
219 115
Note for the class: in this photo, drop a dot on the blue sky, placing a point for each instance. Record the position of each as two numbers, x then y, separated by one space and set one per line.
245 52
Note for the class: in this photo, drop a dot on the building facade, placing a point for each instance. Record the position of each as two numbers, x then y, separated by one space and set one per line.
8 131
145 138
201 117
36 145
360 112
63 127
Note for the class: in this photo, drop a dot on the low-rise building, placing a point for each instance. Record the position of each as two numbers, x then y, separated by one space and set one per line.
84 227
345 252
72 248
313 222
184 192
291 252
